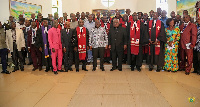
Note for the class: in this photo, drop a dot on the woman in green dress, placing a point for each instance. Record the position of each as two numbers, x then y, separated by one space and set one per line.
171 47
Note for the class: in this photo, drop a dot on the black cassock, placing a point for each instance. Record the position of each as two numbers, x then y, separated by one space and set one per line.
136 60
157 59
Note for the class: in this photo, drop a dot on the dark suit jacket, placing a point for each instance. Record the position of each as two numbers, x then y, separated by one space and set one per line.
66 39
117 38
189 35
29 40
75 39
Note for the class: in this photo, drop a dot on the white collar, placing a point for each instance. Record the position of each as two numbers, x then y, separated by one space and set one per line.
186 23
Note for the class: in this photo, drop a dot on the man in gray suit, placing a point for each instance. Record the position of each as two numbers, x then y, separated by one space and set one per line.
117 41
66 35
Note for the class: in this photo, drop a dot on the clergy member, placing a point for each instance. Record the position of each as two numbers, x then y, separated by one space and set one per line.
157 39
80 42
44 44
137 37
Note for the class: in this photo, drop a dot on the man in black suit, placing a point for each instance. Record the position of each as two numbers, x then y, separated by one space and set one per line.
43 44
66 35
117 40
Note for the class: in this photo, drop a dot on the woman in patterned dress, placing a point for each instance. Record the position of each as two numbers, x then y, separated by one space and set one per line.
171 47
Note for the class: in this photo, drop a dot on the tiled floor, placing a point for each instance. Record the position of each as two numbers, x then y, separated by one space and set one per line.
99 89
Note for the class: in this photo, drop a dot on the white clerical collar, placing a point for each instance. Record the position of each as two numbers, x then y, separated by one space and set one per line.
135 23
34 29
81 28
185 24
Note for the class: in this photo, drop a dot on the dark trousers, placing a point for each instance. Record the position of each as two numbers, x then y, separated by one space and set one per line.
36 56
189 54
98 52
48 63
24 54
196 61
3 53
136 60
117 54
68 59
154 59
77 61
17 55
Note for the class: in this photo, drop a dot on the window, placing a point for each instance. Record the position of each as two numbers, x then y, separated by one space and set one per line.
108 3
162 4
57 7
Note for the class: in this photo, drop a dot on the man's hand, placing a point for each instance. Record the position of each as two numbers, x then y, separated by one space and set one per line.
170 43
64 50
75 49
150 41
8 50
109 47
23 28
29 49
40 49
191 47
90 47
23 48
125 46
106 47
53 50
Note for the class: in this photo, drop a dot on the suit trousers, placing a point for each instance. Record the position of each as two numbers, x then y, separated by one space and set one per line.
68 59
77 61
117 54
54 55
196 60
17 55
98 52
3 54
36 56
189 54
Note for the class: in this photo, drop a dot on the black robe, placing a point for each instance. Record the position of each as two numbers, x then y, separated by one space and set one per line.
143 40
157 59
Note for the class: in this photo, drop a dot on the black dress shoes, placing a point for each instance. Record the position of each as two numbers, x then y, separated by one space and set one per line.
55 72
84 69
120 69
187 73
158 70
22 69
112 69
94 69
150 69
102 69
194 72
138 69
6 72
34 69
77 70
70 69
61 70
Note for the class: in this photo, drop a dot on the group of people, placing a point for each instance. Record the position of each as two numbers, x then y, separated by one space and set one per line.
173 44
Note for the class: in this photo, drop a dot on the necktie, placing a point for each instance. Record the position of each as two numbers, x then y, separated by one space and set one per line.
33 36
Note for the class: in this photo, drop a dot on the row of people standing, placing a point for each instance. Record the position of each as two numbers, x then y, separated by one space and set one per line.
128 35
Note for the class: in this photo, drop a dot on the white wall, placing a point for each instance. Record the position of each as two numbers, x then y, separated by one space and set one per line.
5 13
73 6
